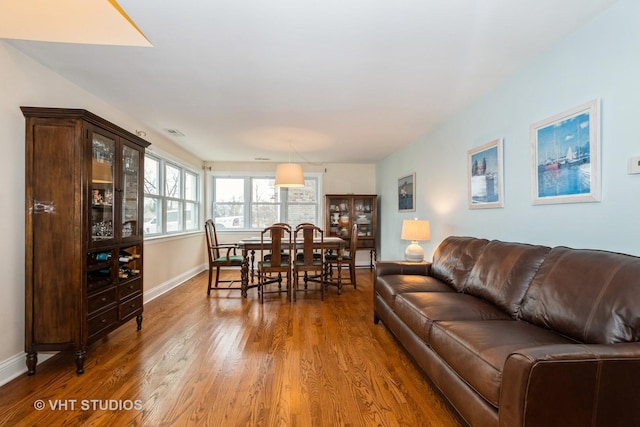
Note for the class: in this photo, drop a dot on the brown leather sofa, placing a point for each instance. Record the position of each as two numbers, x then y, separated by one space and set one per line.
521 335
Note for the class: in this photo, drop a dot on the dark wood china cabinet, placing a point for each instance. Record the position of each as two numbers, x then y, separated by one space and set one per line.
83 230
344 210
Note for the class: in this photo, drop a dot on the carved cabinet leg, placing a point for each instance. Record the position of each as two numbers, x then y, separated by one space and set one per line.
32 361
80 357
139 321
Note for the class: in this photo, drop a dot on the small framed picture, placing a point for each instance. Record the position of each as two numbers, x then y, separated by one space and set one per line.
565 157
485 178
406 193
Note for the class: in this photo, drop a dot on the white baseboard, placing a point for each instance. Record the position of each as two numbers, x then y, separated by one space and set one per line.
165 287
15 366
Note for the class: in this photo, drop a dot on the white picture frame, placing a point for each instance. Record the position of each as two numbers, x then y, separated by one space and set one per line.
565 157
407 193
485 179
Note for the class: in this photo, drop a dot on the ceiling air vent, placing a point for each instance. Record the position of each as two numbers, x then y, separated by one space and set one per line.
174 132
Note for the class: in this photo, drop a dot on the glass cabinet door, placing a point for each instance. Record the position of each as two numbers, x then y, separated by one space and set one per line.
363 216
130 192
340 214
102 187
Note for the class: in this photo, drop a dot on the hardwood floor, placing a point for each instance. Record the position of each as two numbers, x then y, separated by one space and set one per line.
228 361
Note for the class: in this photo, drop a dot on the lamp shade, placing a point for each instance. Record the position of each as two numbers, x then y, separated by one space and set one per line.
289 175
109 23
101 172
415 230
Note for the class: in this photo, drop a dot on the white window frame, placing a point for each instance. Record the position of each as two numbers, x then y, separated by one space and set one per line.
164 200
248 202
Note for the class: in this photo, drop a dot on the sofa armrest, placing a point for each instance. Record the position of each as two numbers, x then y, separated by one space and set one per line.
571 385
384 268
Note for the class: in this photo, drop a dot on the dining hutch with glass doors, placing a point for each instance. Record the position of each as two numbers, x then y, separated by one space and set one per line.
343 210
83 230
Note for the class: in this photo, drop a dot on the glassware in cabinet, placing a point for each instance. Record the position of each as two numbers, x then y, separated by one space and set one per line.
129 224
102 187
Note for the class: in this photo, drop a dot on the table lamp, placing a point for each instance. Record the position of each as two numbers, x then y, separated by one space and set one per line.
415 230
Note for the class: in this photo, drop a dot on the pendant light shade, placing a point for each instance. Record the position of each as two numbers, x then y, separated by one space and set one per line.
289 175
87 22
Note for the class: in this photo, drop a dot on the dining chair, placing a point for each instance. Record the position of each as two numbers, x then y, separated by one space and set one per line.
317 254
347 259
285 252
310 259
275 241
220 255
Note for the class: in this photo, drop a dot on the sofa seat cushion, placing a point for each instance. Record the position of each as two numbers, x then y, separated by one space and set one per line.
478 350
418 310
389 286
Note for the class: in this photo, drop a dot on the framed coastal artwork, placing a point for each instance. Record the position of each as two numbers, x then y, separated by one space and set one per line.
565 157
406 193
485 178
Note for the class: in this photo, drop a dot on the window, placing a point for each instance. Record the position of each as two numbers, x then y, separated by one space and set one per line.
252 202
171 197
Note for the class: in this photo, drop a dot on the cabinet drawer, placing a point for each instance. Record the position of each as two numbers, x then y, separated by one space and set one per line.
99 280
103 320
101 300
129 288
130 307
366 243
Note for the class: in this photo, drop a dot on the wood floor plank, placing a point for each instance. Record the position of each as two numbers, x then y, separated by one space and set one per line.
225 360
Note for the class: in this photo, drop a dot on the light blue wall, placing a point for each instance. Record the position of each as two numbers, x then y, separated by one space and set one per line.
601 60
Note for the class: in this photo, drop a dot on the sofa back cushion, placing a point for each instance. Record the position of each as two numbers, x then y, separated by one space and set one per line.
588 295
454 258
504 272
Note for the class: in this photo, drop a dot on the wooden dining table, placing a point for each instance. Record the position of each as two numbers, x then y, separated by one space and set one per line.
250 245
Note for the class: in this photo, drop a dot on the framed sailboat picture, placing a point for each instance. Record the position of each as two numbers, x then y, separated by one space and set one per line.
565 157
484 170
406 193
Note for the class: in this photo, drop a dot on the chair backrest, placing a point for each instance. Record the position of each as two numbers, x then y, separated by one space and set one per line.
305 223
353 243
283 224
212 240
305 234
280 238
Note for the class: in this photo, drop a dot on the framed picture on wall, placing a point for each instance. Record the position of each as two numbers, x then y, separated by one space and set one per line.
565 157
406 193
485 178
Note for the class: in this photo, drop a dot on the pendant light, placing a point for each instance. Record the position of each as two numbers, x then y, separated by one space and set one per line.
289 174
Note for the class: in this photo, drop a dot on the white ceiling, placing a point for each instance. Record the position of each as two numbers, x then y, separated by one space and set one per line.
337 80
